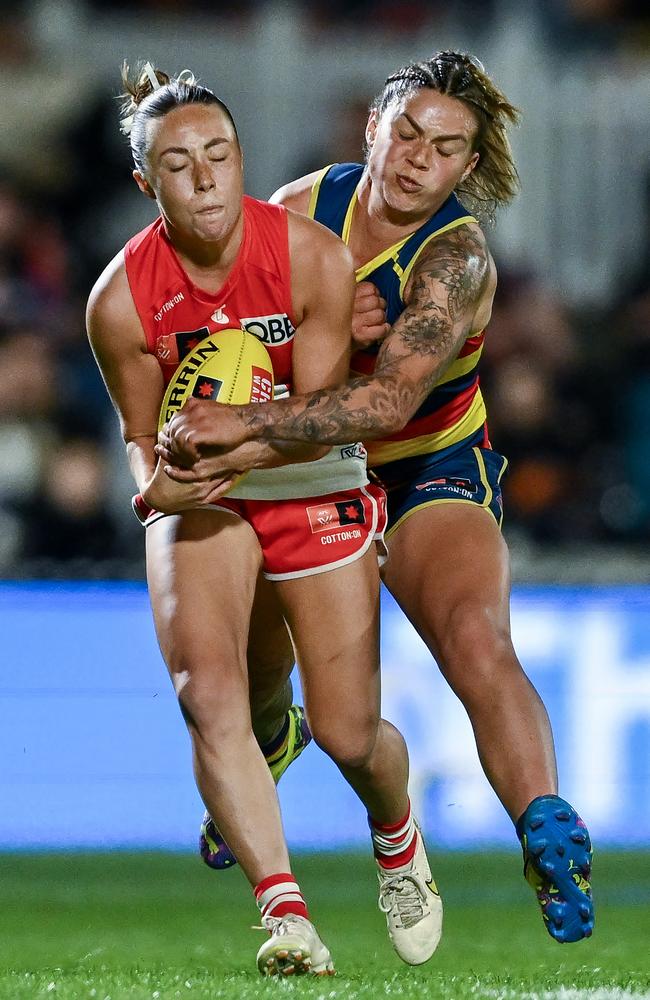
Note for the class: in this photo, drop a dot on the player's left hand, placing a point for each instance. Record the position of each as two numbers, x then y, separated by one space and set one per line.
369 316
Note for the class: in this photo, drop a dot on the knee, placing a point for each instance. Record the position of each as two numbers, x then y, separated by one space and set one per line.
475 650
215 711
350 745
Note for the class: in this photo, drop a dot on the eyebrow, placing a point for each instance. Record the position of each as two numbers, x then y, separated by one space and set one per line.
420 130
185 152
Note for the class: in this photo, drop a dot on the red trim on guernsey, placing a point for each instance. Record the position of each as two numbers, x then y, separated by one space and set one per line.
363 363
471 344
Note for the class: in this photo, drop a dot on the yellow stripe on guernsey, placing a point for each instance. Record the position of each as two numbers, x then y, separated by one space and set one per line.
461 366
380 452
315 189
484 477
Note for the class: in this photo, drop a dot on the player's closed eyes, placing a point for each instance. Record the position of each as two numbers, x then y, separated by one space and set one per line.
212 159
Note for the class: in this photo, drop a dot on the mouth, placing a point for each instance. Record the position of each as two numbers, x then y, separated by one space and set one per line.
408 185
209 209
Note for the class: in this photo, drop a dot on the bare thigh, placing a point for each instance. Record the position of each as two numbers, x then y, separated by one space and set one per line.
448 569
202 568
334 621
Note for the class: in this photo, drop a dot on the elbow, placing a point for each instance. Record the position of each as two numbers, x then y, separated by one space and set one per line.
381 424
393 406
398 423
395 420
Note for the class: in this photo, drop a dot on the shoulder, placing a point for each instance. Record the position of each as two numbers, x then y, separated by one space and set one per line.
111 285
110 303
311 240
455 274
296 194
320 263
460 254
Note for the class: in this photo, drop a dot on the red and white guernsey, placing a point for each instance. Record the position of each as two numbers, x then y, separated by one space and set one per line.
176 314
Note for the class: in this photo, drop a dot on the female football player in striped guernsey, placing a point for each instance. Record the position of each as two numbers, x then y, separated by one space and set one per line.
213 259
436 142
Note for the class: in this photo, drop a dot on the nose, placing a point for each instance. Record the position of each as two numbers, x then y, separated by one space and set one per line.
203 180
419 155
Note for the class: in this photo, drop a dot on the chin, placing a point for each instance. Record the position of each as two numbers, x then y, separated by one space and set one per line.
404 203
214 231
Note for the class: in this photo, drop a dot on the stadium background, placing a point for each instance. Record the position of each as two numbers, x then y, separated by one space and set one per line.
94 752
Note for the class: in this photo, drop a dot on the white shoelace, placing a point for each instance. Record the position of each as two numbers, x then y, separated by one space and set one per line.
277 925
404 894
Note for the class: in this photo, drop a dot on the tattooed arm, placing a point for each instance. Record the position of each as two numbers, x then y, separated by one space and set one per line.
448 298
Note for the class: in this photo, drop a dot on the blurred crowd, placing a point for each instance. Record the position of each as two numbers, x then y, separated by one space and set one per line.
568 391
568 24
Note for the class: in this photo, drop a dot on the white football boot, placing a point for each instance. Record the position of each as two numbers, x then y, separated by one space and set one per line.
411 901
294 949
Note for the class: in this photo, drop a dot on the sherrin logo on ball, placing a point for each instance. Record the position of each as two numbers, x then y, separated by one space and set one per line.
229 366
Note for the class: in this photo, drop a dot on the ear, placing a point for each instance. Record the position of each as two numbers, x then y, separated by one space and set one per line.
371 128
470 166
143 184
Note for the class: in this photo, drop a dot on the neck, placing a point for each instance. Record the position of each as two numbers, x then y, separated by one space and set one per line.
382 221
207 255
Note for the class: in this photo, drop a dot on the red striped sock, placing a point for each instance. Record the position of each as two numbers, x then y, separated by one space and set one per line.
394 844
278 895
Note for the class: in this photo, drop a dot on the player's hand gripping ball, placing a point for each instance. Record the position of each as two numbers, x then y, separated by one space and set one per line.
230 366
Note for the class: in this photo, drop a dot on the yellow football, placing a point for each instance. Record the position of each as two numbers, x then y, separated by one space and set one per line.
230 366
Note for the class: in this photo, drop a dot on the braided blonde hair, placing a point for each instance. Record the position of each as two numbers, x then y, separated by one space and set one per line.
494 182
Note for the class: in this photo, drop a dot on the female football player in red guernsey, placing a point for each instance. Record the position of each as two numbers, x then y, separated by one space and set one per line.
436 136
216 259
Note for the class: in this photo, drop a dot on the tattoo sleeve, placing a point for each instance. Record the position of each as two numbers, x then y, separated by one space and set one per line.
445 289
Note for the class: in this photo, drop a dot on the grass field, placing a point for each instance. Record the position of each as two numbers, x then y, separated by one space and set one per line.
163 926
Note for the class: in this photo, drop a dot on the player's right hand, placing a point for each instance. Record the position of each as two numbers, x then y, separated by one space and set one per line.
369 316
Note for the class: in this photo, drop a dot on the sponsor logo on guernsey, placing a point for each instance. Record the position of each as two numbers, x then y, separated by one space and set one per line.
261 386
219 316
169 304
271 330
331 516
354 451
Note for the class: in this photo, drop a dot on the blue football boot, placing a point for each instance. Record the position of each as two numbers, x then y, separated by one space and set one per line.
557 864
214 850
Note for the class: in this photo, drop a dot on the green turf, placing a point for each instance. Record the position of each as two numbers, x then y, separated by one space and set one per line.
163 926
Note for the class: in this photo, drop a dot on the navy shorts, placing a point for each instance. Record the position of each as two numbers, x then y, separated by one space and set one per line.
472 475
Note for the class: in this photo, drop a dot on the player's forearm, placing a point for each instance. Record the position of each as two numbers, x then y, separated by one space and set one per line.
280 452
365 409
261 454
142 460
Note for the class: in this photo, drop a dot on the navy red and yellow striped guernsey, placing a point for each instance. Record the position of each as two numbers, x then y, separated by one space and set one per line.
452 417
